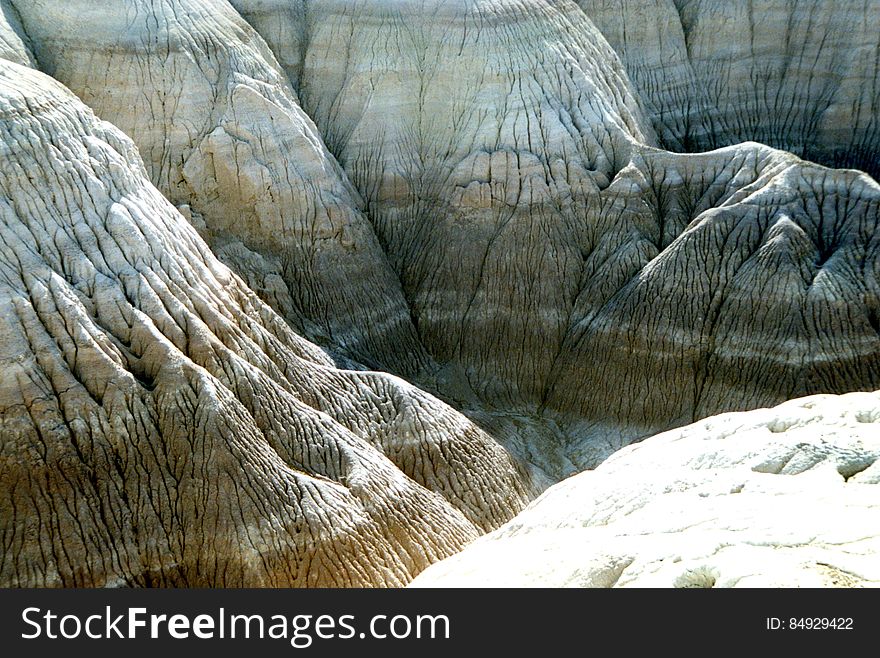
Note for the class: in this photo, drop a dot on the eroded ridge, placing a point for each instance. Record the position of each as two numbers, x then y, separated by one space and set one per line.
800 75
555 262
729 280
518 229
163 426
223 137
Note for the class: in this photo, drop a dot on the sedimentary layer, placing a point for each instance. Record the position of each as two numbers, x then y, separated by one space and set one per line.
799 75
223 137
163 426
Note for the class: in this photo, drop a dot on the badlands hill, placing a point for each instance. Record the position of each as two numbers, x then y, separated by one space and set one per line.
163 426
248 247
800 75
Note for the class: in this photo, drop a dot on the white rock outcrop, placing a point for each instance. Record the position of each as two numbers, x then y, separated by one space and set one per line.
782 497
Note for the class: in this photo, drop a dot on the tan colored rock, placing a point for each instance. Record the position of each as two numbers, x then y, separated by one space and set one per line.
477 132
284 24
581 288
481 204
221 132
724 281
783 497
162 426
578 288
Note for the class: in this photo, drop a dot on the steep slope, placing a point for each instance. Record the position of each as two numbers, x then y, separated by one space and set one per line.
284 24
469 193
778 497
565 272
14 44
525 250
731 280
163 426
224 138
477 132
800 75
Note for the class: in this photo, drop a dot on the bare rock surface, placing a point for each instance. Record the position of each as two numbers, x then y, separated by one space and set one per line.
14 43
477 132
730 280
780 497
222 135
800 75
495 199
562 269
163 426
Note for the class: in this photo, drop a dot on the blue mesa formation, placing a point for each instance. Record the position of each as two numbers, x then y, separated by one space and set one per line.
318 292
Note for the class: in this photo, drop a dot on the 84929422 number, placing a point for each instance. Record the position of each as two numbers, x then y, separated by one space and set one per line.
820 623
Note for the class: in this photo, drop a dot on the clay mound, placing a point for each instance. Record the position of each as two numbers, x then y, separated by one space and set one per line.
780 497
800 75
581 288
14 43
223 137
469 193
724 281
522 248
476 131
163 426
